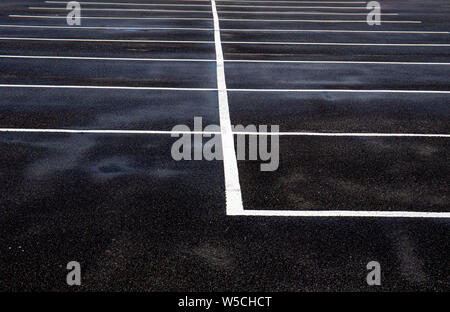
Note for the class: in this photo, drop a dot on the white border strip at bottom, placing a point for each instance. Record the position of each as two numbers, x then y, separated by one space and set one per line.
341 213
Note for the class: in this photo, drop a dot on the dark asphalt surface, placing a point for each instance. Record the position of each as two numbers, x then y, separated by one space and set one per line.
138 220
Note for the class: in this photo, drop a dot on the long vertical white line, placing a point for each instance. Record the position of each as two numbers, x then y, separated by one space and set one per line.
232 186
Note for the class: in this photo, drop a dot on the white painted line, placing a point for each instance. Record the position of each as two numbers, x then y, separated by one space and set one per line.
344 213
349 134
218 132
343 44
231 30
26 130
337 31
222 12
229 42
232 186
313 21
134 4
302 13
115 18
124 10
103 87
291 7
215 89
338 62
94 58
104 27
104 40
332 2
342 91
162 4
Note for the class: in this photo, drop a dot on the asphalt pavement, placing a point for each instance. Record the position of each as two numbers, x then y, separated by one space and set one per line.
87 175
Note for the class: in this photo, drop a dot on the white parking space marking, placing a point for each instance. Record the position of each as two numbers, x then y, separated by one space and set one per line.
345 213
314 21
336 31
123 10
104 40
115 18
131 59
343 91
102 87
232 186
132 4
84 131
106 27
222 12
343 44
230 42
348 134
94 58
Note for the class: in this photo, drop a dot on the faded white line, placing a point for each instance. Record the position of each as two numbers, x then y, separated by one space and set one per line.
102 87
105 40
28 130
115 18
94 58
208 12
104 27
232 187
344 213
343 44
208 19
343 91
314 21
339 62
232 30
124 10
338 31
229 42
348 134
302 13
292 7
134 4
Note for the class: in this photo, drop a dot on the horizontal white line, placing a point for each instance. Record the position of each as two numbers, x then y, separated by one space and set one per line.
116 18
229 42
342 91
103 87
208 19
343 44
163 4
104 40
233 30
343 213
105 131
214 89
134 4
338 62
349 134
338 31
124 10
218 132
208 12
292 7
314 21
95 58
302 13
332 2
104 27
